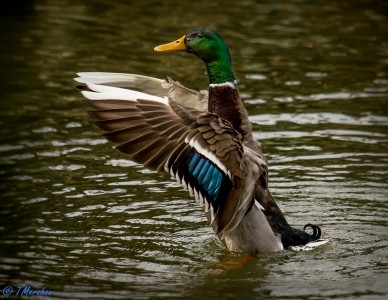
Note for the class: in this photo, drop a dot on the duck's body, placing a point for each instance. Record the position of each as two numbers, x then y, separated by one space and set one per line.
211 152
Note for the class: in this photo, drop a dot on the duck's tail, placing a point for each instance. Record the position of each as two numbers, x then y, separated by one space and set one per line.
316 231
294 237
290 237
315 239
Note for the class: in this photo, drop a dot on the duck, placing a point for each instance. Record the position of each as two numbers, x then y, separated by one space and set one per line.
202 139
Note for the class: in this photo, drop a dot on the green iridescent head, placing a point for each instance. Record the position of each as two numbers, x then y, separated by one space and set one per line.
208 46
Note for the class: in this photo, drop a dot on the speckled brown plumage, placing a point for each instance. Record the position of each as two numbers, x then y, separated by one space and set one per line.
154 135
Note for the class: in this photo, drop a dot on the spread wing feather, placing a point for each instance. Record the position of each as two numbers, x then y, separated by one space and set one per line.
200 150
148 85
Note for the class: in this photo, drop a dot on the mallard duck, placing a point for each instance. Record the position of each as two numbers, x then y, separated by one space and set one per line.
203 139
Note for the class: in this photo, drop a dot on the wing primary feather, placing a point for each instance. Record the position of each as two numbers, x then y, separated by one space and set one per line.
200 150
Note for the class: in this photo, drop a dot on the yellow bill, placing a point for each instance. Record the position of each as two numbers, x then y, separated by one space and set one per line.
178 45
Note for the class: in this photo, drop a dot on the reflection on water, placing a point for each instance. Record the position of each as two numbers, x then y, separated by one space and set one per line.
83 221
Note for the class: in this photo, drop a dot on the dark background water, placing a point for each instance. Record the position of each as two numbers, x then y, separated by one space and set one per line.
81 220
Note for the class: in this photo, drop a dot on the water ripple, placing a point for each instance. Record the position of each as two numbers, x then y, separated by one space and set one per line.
341 96
318 118
87 222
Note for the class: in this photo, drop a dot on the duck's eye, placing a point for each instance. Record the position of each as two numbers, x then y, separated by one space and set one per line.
200 35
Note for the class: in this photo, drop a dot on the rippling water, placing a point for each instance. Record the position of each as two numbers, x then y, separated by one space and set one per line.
81 220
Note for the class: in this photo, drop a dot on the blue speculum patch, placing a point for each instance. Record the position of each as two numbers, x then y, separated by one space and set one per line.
204 175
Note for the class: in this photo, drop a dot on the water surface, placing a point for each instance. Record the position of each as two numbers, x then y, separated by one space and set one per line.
80 219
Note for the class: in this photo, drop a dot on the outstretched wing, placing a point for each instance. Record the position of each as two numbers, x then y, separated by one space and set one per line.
149 85
203 152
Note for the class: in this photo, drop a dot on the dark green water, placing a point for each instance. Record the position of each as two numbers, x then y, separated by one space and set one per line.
82 221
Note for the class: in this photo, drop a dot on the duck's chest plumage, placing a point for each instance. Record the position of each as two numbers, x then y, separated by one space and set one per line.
224 100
